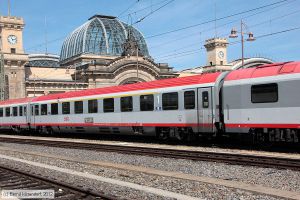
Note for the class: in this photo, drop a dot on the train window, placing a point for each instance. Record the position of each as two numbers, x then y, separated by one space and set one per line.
170 101
44 109
108 105
205 99
189 100
15 111
78 107
36 109
147 102
65 108
264 93
126 104
54 108
20 110
93 106
25 110
7 112
1 112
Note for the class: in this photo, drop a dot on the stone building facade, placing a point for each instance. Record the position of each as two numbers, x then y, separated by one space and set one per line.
14 58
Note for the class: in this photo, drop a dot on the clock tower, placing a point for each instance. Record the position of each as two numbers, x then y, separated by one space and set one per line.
11 48
216 51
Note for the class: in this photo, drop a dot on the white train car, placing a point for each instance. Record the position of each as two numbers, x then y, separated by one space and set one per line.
260 103
263 101
165 108
14 115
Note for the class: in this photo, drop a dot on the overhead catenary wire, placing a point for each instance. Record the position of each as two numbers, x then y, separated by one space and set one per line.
222 25
130 6
140 20
235 14
237 42
145 8
251 26
217 19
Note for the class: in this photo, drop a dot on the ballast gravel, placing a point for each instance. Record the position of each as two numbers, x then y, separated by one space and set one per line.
280 179
191 188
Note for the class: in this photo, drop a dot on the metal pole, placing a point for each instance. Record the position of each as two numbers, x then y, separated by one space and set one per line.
46 39
8 7
2 77
34 85
75 79
137 63
242 41
2 73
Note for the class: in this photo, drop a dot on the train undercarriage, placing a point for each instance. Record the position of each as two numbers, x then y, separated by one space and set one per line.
256 136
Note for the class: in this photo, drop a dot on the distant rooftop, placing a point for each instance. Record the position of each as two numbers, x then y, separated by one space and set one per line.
43 60
102 16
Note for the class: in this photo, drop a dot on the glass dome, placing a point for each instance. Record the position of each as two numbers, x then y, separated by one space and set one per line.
101 35
43 60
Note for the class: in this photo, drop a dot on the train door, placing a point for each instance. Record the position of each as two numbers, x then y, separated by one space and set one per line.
33 113
27 113
205 110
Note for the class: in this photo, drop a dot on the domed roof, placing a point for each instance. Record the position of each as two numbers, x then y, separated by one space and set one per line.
101 35
43 60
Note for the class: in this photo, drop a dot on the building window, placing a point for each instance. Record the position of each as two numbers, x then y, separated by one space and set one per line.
21 111
108 105
15 111
264 93
126 104
221 63
78 107
93 106
36 109
211 63
1 112
44 109
189 99
54 108
170 101
66 108
12 50
205 99
147 102
7 112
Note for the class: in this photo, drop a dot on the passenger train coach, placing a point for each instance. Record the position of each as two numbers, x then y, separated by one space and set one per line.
260 103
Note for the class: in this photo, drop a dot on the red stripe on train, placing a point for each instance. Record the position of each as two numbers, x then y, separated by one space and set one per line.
157 125
114 124
262 125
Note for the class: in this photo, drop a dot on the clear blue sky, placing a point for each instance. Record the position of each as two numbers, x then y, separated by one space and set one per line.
181 49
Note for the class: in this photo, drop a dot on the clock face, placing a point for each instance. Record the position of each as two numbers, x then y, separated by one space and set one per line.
12 39
221 54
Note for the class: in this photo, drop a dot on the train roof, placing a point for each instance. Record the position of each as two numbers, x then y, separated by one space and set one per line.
264 71
16 101
164 83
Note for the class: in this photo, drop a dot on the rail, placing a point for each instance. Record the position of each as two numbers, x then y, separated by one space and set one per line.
230 158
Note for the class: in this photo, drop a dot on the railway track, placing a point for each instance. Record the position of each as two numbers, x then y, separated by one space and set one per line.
230 158
15 179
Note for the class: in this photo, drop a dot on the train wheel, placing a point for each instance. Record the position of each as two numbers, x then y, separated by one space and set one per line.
259 138
163 133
